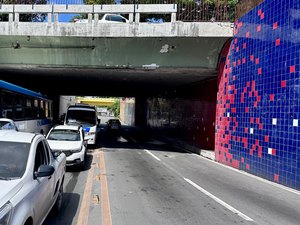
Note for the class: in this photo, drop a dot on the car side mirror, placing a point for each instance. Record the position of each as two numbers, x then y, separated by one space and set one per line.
44 171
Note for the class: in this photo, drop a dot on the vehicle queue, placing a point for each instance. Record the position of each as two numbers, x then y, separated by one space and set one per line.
32 162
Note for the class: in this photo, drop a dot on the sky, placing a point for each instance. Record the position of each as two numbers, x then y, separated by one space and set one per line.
65 17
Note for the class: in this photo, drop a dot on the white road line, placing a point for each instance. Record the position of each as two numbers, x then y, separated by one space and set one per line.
150 153
219 200
253 176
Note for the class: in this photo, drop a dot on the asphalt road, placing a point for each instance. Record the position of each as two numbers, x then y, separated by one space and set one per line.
135 180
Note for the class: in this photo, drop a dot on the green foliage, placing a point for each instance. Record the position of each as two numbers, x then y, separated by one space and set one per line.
25 17
115 108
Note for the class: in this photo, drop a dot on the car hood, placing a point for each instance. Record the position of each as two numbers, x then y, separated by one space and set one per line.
64 145
8 189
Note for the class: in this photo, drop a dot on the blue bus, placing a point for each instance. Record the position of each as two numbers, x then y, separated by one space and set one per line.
31 111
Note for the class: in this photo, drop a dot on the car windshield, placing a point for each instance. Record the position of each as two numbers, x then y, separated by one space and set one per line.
13 159
6 125
64 135
82 117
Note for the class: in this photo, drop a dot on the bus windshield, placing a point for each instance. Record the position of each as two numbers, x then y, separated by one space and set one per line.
84 117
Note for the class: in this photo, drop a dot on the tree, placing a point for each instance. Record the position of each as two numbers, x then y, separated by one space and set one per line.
25 17
115 108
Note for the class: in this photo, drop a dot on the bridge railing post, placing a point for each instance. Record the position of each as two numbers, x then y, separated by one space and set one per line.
10 17
17 17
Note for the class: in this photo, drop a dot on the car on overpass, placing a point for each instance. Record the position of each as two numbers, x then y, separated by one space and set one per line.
107 18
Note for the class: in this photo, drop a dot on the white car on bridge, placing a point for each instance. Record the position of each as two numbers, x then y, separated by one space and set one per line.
107 18
31 178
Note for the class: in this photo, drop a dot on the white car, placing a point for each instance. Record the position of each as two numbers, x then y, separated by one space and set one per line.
31 178
70 140
107 18
7 124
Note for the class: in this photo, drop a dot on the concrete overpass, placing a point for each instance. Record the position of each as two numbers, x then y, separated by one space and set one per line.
132 59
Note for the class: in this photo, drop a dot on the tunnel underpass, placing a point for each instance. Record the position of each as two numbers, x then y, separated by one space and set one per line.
178 102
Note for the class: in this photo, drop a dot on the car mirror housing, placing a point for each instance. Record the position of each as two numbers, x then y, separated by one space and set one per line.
44 171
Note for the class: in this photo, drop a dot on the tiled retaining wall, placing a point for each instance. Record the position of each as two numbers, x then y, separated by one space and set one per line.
258 104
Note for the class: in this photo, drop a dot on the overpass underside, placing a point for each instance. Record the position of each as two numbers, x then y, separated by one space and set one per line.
115 66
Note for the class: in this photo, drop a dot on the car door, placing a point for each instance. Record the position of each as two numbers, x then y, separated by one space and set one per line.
42 185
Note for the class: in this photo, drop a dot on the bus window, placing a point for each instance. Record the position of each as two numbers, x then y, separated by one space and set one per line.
19 107
46 109
36 109
7 99
42 109
28 108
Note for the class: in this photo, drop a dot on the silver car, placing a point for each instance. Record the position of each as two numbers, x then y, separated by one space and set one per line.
31 178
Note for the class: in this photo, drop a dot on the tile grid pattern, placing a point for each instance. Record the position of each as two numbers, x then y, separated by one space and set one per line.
258 104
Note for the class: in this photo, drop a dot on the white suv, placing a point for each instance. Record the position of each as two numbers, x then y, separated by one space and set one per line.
70 140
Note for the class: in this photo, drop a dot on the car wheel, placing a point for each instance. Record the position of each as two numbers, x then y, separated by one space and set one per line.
59 201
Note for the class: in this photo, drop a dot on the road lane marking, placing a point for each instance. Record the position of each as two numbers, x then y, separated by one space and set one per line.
86 199
252 176
232 209
154 156
106 214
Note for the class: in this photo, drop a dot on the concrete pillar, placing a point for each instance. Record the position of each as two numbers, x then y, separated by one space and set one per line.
17 17
10 17
130 17
90 18
55 18
137 17
49 17
173 17
96 18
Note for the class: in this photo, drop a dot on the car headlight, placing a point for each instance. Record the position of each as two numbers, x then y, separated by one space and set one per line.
5 213
75 150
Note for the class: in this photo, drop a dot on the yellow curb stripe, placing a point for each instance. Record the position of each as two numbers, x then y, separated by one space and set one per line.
106 214
86 199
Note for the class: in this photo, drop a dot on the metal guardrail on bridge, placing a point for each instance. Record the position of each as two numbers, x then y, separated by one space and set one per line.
187 10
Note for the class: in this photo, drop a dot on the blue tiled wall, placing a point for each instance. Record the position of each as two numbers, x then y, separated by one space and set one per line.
258 107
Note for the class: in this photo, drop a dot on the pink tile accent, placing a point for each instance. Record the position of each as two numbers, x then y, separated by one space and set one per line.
258 29
266 138
283 83
259 71
247 166
277 43
292 69
275 25
276 177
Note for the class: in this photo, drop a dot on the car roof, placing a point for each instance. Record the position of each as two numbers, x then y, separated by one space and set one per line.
6 119
67 127
113 120
21 137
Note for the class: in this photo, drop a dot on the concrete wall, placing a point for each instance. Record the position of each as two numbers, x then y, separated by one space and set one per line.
258 107
65 102
127 111
191 120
